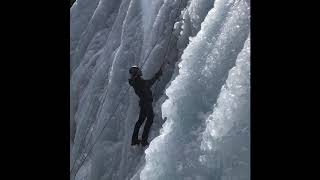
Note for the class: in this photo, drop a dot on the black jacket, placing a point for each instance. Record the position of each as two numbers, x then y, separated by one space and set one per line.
143 87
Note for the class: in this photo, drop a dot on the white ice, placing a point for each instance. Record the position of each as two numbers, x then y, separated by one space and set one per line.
203 94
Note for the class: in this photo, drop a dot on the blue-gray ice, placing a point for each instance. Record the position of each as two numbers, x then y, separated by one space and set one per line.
201 129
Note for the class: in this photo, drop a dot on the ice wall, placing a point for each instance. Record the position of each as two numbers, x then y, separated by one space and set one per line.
225 142
200 43
204 68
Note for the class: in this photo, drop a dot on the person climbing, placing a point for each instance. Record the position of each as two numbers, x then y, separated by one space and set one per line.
143 89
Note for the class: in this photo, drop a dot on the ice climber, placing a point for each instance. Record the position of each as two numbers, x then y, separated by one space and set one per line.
143 89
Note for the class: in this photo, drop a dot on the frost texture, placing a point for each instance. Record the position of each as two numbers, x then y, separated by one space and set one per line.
201 127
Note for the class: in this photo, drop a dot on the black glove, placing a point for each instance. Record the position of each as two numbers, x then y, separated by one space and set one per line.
130 82
159 73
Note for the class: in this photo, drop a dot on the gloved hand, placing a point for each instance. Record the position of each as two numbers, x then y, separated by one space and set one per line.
159 73
130 82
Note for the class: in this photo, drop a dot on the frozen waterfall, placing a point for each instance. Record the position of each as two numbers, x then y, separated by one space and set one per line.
201 127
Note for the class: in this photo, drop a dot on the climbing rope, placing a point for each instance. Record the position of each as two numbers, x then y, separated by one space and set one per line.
104 97
98 114
90 150
169 44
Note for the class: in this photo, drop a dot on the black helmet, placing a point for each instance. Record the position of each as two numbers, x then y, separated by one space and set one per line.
135 70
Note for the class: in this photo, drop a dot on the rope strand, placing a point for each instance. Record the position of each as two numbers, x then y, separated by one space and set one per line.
90 150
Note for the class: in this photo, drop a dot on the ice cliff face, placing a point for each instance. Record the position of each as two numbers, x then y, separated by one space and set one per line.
201 127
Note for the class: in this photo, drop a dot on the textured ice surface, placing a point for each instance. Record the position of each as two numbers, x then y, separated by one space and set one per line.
202 123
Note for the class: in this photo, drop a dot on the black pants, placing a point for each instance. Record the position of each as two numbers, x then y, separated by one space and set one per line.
146 111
